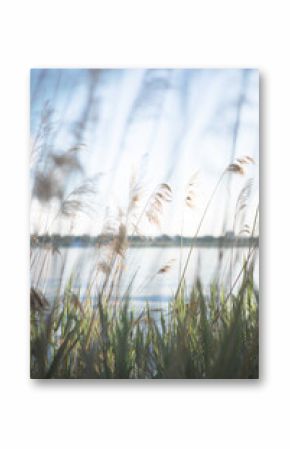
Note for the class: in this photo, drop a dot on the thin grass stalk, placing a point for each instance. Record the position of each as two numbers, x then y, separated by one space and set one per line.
197 232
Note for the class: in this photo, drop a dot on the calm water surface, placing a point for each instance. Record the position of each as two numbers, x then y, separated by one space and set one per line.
141 268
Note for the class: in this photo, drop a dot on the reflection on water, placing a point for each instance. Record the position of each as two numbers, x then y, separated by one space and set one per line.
141 270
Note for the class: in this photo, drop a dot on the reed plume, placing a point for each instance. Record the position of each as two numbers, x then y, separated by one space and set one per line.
239 165
162 195
81 199
167 267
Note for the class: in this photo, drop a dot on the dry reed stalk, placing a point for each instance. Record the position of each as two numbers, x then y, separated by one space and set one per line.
120 242
239 214
38 301
190 199
135 194
190 192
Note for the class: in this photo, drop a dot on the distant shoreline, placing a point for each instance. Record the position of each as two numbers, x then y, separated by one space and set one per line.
144 242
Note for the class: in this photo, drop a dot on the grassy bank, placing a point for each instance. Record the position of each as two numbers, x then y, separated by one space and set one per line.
203 336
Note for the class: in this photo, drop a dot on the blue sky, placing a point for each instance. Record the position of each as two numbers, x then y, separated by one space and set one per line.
163 125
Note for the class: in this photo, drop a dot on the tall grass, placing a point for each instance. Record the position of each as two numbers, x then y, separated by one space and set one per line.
203 336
